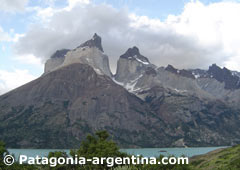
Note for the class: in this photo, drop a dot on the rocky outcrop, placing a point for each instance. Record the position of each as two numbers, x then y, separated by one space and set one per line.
55 60
184 73
131 65
96 41
201 83
224 75
90 53
197 121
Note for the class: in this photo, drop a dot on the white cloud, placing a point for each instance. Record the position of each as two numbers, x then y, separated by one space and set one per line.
16 37
4 36
199 36
216 24
42 14
74 3
13 5
9 36
29 59
10 80
45 12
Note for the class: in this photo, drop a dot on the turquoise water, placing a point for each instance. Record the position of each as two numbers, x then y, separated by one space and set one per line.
147 152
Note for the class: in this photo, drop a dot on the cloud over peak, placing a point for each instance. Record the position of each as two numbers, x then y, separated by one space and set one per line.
199 36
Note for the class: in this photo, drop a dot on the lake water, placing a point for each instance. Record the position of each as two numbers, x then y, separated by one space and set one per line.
147 152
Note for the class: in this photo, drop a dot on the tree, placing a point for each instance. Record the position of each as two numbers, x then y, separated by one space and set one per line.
15 166
98 146
57 155
3 152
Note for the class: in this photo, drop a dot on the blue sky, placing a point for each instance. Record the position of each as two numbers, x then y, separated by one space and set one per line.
197 33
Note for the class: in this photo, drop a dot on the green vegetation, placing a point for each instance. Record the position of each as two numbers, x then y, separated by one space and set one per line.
157 166
99 145
222 159
3 152
15 166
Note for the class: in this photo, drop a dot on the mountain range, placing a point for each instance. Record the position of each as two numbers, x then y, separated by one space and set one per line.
142 105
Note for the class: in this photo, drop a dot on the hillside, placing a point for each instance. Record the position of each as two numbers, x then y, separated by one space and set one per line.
141 106
224 159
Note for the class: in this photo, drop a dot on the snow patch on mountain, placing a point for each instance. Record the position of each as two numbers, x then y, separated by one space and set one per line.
130 86
140 60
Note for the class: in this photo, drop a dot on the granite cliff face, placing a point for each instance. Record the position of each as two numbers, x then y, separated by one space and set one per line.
141 106
90 52
130 68
215 83
224 75
55 60
59 110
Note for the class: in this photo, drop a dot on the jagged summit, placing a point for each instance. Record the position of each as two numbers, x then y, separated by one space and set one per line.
60 53
214 69
93 57
171 69
133 53
96 41
131 66
224 75
183 72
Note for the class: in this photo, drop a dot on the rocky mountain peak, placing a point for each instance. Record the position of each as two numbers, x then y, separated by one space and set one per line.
94 57
55 60
96 41
214 69
60 53
170 68
224 75
133 53
131 65
184 73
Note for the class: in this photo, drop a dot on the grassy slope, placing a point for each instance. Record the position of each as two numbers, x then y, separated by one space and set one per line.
223 159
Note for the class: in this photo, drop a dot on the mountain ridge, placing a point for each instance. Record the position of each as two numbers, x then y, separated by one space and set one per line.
142 105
